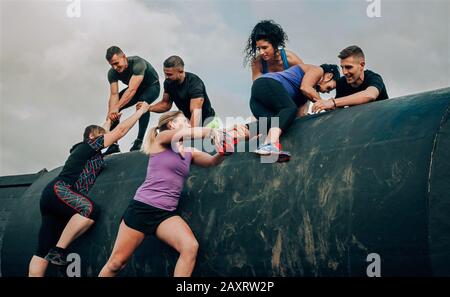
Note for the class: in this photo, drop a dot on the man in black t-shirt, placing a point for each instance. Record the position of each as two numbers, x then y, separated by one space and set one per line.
357 86
143 85
188 92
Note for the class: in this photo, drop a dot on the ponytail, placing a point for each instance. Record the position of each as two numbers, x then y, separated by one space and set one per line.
150 138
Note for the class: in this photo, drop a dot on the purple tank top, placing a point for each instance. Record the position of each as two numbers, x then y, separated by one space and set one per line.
166 173
290 78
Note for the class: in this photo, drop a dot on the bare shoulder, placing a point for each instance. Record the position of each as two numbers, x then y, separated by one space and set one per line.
307 67
293 58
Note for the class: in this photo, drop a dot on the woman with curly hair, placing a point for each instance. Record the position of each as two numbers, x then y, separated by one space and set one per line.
265 49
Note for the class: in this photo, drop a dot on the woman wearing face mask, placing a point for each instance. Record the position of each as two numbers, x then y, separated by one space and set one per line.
153 210
67 212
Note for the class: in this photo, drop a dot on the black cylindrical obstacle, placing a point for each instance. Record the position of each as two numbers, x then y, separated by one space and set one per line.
370 179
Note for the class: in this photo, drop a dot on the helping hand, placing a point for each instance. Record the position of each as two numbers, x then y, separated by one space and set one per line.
143 106
320 105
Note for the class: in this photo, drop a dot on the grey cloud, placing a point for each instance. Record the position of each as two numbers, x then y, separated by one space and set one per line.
53 72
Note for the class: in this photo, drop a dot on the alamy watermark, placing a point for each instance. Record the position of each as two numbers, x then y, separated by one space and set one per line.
73 9
374 9
74 268
374 268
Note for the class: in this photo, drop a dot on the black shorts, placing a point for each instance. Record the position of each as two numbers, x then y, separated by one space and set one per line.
145 218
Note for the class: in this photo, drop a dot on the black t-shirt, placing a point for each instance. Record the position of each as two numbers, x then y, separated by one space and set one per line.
181 94
83 155
136 66
371 79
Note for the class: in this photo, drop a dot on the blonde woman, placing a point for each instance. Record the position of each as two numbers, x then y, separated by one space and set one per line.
153 208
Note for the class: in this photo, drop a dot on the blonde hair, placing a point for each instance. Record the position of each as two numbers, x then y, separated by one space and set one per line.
162 125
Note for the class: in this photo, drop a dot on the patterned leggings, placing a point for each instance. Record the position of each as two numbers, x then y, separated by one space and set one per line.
59 202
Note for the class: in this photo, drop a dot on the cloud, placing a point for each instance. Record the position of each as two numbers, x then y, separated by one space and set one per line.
53 75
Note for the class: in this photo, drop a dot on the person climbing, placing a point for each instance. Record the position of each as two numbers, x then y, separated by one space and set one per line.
67 211
357 86
265 50
142 85
153 210
188 92
280 95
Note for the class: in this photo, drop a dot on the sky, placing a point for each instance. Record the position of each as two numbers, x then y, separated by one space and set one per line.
53 76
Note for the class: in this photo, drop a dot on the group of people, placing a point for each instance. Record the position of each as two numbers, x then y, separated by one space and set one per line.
282 86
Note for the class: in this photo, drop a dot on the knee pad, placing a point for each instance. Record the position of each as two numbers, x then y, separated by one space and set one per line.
95 212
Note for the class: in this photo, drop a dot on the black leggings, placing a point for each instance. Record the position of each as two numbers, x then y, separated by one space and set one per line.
270 99
148 94
59 202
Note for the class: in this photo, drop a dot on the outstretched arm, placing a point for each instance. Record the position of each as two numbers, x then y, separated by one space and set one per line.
107 124
175 136
195 107
313 74
113 101
162 106
122 129
134 84
369 94
203 159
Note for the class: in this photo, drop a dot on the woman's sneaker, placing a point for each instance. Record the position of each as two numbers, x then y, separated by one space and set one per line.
267 149
136 145
283 157
273 149
57 256
112 149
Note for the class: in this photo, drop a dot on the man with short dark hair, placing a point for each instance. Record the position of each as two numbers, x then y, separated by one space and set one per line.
143 85
357 86
188 92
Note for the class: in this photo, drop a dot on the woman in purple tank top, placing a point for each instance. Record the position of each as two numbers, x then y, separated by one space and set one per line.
153 208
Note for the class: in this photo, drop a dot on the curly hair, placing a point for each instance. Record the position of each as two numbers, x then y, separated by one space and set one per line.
333 69
268 30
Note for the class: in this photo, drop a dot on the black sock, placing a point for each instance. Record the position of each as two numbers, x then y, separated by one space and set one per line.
60 250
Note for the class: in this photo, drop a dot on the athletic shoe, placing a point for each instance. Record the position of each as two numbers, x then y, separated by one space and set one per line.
267 149
112 149
283 157
136 145
57 256
273 149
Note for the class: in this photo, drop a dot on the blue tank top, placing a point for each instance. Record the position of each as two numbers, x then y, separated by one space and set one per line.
283 57
291 79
